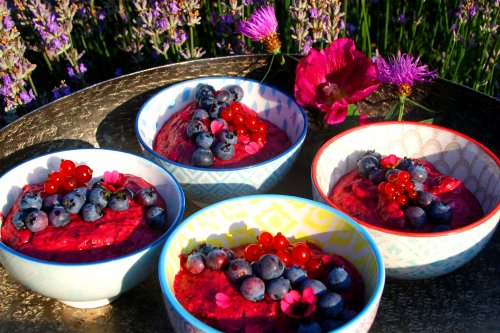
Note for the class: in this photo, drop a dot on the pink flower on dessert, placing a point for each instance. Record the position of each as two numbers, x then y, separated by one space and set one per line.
296 305
262 26
331 79
222 300
252 148
389 162
113 180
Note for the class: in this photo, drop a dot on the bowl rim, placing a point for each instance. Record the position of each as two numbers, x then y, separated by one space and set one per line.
466 228
177 219
295 145
175 304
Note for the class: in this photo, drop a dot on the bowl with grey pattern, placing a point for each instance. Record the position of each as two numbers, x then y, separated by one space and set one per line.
204 186
418 255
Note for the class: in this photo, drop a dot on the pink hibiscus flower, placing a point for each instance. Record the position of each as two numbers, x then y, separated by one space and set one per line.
296 305
114 180
331 79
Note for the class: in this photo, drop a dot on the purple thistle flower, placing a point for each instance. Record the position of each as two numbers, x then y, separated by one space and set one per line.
262 26
403 70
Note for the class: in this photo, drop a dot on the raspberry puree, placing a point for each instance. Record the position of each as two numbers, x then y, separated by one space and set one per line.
172 142
367 206
197 293
115 234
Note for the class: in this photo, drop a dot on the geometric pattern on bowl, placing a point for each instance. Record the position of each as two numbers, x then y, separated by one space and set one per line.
92 284
238 221
419 255
208 185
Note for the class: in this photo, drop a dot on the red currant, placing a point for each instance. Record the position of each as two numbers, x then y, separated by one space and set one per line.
265 239
69 183
285 256
56 177
412 194
404 175
67 167
258 137
253 252
300 253
83 174
402 199
392 178
280 242
51 187
381 187
240 130
314 265
390 189
251 123
227 114
261 127
236 107
238 119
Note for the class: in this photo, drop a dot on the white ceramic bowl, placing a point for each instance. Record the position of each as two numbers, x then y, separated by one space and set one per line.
238 221
411 255
208 185
87 285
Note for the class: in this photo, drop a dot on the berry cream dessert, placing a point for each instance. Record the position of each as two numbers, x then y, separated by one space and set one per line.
219 131
269 286
65 220
404 194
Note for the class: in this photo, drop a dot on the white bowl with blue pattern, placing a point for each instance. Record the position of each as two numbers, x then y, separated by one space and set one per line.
237 222
205 186
88 284
412 255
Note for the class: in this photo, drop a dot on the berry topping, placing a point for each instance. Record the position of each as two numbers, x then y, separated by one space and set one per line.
253 252
217 259
83 174
270 266
228 136
238 270
253 289
330 305
277 288
59 217
98 196
67 167
73 202
296 275
30 200
236 91
203 157
156 218
317 286
300 254
280 242
195 263
19 220
146 196
224 151
205 140
195 127
36 220
338 279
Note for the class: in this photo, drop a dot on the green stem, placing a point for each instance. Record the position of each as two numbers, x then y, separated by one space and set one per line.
421 106
386 32
32 85
268 68
47 61
401 110
414 27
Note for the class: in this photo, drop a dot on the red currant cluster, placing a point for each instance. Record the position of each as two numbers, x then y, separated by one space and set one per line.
398 187
291 254
245 122
69 177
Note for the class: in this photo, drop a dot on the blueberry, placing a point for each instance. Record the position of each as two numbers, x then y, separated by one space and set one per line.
331 324
30 200
230 253
317 286
405 163
98 196
330 305
59 217
309 327
195 127
253 289
236 91
377 175
277 288
338 279
217 259
146 196
54 200
98 184
156 218
441 227
207 102
228 136
195 263
238 270
205 140
390 172
375 154
416 216
367 163
91 212
19 220
223 96
417 173
425 199
295 274
128 192
418 186
73 202
118 201
215 110
200 114
205 248
36 220
440 213
203 157
203 90
224 151
82 191
270 266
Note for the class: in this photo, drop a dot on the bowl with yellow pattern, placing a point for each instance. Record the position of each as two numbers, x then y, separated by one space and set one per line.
236 223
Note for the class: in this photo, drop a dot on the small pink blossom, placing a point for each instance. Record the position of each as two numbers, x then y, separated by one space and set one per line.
113 180
330 79
296 305
222 300
389 162
252 148
216 127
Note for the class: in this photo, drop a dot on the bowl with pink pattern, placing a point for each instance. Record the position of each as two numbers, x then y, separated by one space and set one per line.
417 254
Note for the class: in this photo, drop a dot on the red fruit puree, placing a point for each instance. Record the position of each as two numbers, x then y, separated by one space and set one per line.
359 197
115 234
197 294
172 142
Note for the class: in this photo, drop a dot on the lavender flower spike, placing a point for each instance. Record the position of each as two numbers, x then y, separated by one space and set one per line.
262 26
402 71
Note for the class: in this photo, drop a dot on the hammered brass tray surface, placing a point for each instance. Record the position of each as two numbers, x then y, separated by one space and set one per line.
103 115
